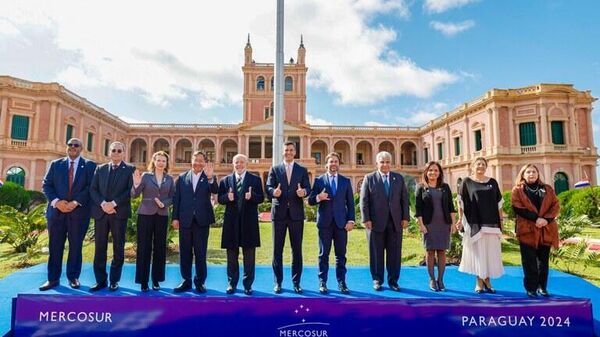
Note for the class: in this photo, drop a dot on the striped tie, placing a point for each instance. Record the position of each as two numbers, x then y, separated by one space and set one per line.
239 186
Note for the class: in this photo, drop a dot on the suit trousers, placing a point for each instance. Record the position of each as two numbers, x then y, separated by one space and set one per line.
151 247
339 236
104 225
296 229
193 242
233 266
388 243
535 266
60 229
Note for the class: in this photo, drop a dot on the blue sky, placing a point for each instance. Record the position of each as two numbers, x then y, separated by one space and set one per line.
371 62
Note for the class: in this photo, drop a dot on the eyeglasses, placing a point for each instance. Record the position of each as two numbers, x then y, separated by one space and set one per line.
116 150
75 145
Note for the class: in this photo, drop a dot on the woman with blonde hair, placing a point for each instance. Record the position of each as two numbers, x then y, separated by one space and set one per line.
536 207
157 188
435 213
479 213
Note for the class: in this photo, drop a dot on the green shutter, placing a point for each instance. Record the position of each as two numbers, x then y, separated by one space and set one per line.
558 135
426 155
90 142
16 175
527 134
106 146
478 140
69 132
20 127
440 151
457 146
561 182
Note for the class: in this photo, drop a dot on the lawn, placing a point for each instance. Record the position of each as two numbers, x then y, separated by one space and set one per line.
357 251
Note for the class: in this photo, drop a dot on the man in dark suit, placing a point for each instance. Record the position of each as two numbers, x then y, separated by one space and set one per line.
111 194
240 192
335 218
66 185
287 185
384 208
192 215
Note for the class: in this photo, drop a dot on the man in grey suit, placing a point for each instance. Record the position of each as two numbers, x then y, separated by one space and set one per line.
384 208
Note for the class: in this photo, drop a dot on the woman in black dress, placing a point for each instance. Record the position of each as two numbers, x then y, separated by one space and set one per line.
435 213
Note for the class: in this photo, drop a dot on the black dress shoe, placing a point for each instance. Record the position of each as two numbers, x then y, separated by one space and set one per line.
531 294
543 292
394 286
98 286
297 289
323 288
144 287
343 288
201 288
48 285
277 288
248 291
74 283
377 286
489 288
155 285
183 286
113 286
230 289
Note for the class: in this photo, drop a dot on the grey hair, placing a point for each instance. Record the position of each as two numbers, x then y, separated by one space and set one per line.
383 155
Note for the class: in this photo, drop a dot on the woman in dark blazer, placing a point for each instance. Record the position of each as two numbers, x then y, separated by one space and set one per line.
156 187
536 207
435 213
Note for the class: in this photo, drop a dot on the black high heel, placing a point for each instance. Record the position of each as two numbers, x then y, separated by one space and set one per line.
433 285
440 285
487 287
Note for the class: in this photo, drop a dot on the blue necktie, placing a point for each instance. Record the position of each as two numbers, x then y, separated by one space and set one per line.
333 186
386 185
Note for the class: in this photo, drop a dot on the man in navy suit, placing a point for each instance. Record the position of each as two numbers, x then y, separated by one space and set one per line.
66 185
287 185
384 209
111 194
335 218
192 215
240 192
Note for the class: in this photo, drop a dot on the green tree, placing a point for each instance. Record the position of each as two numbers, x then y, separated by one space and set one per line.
14 195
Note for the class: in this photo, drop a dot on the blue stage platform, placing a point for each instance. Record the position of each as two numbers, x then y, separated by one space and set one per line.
413 282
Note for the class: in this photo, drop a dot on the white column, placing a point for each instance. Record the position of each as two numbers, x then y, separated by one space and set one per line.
32 174
574 134
466 151
262 147
36 122
543 126
52 126
511 129
3 116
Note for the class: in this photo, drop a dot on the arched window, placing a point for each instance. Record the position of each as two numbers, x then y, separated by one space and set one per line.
260 83
289 84
16 175
272 83
561 182
269 111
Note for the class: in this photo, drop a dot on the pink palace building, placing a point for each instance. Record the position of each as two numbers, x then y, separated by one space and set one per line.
546 124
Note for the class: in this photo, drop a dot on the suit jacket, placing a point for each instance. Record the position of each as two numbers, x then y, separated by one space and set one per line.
240 221
119 191
375 206
288 200
189 205
56 185
339 208
424 205
150 190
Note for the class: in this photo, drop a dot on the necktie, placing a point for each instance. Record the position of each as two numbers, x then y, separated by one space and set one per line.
115 166
288 173
71 173
386 185
238 186
333 186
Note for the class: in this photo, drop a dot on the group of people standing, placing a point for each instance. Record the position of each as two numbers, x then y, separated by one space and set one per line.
480 202
77 189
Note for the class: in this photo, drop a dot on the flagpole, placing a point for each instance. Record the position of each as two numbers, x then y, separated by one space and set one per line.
278 103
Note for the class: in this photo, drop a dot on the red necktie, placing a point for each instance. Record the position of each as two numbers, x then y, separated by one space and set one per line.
71 172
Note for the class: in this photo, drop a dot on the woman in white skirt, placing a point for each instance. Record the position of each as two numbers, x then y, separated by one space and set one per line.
480 207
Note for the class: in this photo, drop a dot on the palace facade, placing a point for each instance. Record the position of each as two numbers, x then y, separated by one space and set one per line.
546 124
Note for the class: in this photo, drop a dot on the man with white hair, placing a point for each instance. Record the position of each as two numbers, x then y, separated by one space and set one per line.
384 208
240 192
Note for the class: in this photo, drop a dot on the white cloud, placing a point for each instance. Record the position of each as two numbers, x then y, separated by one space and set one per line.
132 120
372 123
440 6
312 120
421 114
173 51
450 28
